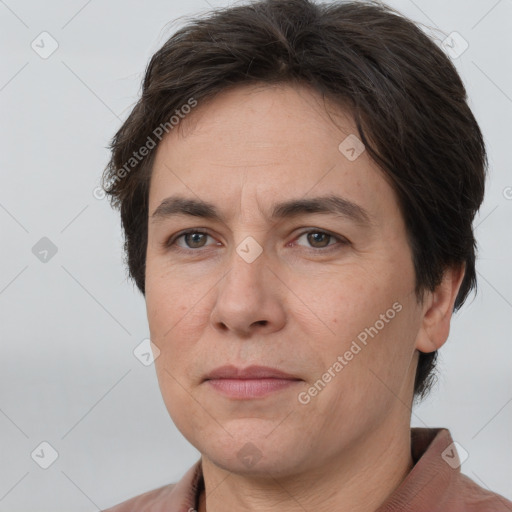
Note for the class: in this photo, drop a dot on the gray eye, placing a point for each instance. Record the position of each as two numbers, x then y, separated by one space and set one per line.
195 240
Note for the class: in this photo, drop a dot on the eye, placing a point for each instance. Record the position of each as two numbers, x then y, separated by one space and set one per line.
318 239
197 239
192 239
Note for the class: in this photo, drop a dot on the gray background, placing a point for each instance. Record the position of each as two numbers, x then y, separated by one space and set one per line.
69 325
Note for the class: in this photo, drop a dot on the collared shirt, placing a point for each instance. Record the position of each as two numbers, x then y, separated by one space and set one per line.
434 484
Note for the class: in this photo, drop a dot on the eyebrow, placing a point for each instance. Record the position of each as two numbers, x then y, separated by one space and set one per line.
330 205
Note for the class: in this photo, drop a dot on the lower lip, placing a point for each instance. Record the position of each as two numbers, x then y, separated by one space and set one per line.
249 388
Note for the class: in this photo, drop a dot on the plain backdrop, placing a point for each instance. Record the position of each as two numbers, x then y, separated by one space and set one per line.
69 325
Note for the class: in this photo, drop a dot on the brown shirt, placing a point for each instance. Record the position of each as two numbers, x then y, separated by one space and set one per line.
435 484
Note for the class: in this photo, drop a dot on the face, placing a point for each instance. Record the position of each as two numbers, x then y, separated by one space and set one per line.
271 245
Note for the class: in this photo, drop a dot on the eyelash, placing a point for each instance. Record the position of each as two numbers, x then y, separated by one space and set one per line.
171 242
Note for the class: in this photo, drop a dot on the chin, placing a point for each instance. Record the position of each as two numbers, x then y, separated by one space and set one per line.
253 454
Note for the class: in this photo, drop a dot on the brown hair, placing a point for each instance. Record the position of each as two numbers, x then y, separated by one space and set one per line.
407 100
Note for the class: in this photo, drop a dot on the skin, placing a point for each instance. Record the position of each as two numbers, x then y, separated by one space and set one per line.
296 307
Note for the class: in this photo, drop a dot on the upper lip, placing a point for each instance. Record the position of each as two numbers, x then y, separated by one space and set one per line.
251 372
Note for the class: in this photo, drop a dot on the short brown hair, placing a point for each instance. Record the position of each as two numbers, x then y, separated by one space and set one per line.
407 100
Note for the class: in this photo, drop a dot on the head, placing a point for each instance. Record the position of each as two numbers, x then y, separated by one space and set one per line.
328 167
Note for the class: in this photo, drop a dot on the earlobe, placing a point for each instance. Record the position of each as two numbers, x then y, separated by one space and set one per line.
438 309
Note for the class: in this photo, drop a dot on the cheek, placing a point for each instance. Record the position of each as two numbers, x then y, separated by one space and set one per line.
341 304
366 323
177 318
169 300
367 380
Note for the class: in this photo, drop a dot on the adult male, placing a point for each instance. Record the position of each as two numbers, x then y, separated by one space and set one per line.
297 192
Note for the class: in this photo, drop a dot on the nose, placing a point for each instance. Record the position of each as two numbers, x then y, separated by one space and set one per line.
249 299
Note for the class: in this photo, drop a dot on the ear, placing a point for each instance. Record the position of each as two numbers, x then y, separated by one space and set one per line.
438 309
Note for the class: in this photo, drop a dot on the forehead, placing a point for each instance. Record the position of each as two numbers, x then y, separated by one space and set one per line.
262 117
264 143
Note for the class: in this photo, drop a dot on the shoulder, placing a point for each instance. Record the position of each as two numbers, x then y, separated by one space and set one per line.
145 501
479 499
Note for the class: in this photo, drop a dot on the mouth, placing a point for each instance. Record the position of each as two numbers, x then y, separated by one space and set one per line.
251 382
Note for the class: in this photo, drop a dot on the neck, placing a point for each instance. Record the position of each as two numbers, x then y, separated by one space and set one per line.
357 480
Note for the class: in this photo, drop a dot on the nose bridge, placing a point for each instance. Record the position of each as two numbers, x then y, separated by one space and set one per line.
247 267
